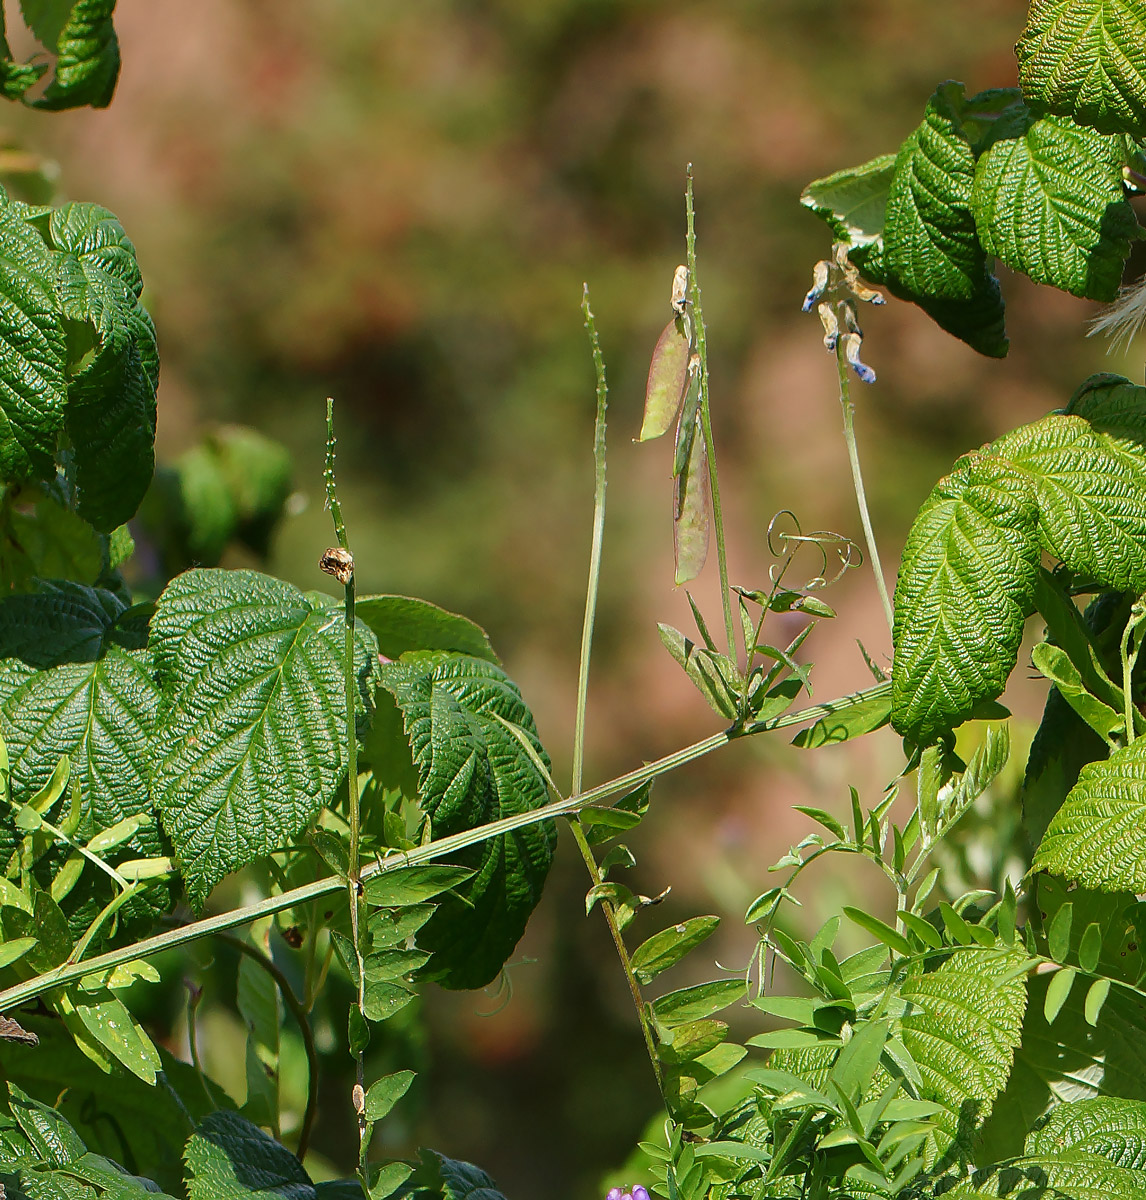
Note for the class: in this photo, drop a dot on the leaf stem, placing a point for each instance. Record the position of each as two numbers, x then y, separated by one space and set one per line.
438 848
622 951
299 1013
857 481
598 537
706 419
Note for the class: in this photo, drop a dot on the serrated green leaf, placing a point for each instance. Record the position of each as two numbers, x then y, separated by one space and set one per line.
668 375
667 948
968 575
401 623
853 201
929 231
111 392
251 743
455 1180
472 769
384 1093
1098 836
87 58
1049 202
1086 59
228 1158
43 539
962 1027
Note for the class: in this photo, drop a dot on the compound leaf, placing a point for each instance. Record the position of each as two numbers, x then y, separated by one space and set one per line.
460 714
1086 59
251 741
1048 201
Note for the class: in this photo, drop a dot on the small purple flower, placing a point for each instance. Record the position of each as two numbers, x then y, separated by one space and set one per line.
820 277
852 343
640 1192
614 1194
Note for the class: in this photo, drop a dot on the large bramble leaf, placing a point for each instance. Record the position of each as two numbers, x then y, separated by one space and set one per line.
251 739
929 232
82 35
1086 59
111 393
228 1158
962 1026
452 1179
1049 201
853 201
15 77
402 623
1072 485
460 714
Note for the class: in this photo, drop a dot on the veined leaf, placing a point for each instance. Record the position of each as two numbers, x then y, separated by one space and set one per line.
87 56
111 395
401 623
965 586
667 948
228 1158
1098 836
1049 202
853 716
251 741
1086 59
964 1022
454 1180
472 769
929 233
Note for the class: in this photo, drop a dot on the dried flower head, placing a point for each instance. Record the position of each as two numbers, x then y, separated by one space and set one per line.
339 563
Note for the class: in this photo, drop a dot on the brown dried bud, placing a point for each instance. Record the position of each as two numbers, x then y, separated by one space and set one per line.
680 290
358 1096
339 563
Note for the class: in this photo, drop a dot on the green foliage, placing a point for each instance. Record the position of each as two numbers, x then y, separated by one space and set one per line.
479 758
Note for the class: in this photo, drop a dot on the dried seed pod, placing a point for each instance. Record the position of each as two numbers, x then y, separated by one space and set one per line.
680 290
339 563
831 325
852 343
358 1096
821 274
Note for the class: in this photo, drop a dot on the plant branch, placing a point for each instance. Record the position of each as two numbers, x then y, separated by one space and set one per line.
598 537
706 418
60 976
857 481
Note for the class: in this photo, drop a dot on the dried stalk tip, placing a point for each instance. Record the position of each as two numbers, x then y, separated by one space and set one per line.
339 563
680 290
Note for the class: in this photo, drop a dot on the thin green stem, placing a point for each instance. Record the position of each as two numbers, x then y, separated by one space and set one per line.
598 537
706 419
109 909
354 875
299 1013
622 951
857 481
1131 645
436 849
194 995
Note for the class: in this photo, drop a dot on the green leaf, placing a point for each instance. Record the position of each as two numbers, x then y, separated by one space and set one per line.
53 1139
929 232
853 201
697 1002
683 1043
454 1180
852 716
401 623
1108 1127
1086 59
251 743
111 393
87 58
1096 996
668 375
967 578
32 352
401 886
228 1158
260 1010
667 948
1049 202
711 673
384 1093
1054 664
1057 992
1098 836
460 715
43 539
961 1029
108 1021
880 929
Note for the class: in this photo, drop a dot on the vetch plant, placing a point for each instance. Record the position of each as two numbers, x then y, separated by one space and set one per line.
372 767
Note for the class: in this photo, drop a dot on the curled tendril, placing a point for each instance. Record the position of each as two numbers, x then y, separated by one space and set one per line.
784 545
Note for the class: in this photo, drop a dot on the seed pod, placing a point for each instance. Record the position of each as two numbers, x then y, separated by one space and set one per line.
691 505
668 374
686 426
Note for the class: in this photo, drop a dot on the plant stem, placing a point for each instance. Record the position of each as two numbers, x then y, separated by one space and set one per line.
439 848
299 1013
598 537
706 419
857 481
622 951
354 876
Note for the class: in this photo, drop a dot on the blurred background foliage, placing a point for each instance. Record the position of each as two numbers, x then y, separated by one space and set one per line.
396 204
